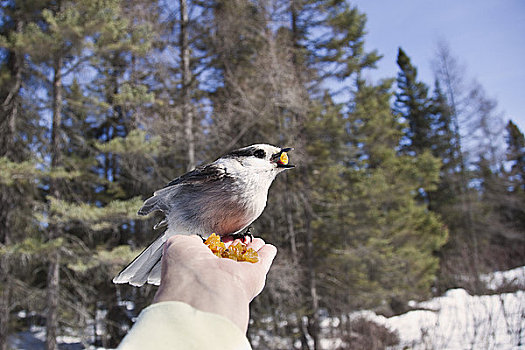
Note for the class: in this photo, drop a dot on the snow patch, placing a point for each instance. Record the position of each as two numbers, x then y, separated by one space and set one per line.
511 278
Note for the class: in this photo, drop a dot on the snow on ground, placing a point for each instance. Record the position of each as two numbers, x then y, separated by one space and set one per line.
458 320
453 321
511 278
34 339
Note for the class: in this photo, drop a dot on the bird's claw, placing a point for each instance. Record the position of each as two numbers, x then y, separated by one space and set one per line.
243 235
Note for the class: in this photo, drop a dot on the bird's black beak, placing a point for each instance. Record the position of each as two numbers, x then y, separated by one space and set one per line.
281 158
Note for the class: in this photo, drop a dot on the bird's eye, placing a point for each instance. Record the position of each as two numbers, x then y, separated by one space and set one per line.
259 153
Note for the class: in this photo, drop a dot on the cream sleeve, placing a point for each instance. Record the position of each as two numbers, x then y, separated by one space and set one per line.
176 325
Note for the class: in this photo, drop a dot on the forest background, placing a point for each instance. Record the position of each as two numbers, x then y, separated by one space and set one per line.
402 190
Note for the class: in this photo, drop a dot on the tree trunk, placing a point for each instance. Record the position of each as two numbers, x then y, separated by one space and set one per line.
5 301
290 221
53 284
6 206
8 130
313 314
53 275
187 112
313 317
295 32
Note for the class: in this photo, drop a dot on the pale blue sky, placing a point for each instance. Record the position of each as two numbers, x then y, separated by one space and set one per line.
487 36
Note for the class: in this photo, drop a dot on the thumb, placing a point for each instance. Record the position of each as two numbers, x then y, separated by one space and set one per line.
266 255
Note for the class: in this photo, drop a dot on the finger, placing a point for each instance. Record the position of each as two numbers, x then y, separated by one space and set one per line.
266 255
233 242
183 240
183 246
256 244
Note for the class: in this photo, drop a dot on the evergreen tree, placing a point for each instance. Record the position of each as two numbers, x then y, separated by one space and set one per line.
412 103
19 135
444 200
497 238
516 155
70 34
390 232
442 133
327 42
510 204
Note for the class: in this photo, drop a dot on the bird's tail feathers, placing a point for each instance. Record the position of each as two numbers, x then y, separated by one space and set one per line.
145 268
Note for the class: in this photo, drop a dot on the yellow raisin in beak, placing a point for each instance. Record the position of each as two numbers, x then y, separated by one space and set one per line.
283 159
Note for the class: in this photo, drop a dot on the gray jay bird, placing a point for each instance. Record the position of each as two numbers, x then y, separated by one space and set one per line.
223 197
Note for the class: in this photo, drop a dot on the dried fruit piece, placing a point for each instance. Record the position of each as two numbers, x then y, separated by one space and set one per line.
237 252
214 243
284 158
251 256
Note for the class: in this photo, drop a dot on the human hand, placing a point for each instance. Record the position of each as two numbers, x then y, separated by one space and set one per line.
191 273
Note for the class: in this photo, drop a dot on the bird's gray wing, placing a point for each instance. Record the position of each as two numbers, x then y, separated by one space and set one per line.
162 198
207 173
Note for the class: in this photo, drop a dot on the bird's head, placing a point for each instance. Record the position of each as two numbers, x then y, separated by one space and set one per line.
262 157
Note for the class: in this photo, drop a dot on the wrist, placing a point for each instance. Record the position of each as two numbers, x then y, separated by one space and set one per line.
231 301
